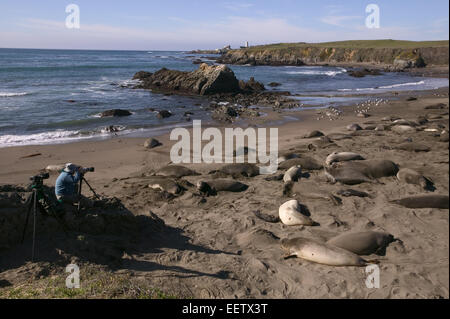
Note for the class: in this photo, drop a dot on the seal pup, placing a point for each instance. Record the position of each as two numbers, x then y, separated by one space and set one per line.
345 175
412 147
351 192
409 176
310 190
313 134
291 214
372 168
165 184
267 217
239 169
363 243
320 253
424 201
286 157
176 171
354 127
307 163
444 137
342 157
221 185
400 129
293 174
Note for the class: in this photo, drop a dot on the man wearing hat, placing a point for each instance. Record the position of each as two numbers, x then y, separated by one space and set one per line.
66 185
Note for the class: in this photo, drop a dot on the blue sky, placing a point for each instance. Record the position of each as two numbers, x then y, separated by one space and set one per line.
192 24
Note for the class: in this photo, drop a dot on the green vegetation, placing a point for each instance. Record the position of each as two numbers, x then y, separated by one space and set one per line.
354 44
95 284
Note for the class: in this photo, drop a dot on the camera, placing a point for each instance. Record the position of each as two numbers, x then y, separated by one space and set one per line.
84 170
39 179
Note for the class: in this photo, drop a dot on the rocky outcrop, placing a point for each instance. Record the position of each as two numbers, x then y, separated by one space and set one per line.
301 54
207 80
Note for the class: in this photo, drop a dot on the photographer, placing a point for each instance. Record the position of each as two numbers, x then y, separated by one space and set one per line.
66 186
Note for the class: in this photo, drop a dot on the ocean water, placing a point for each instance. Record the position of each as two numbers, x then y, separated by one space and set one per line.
55 96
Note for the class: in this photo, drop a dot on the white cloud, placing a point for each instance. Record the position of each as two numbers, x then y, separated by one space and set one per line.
237 6
340 21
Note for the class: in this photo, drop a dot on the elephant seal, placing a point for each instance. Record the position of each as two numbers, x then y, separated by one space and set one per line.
239 169
286 157
313 134
293 174
351 192
352 173
373 168
310 190
266 217
400 129
307 163
405 122
444 137
345 175
424 201
410 176
342 157
165 184
221 185
320 253
176 171
363 243
412 147
291 214
354 127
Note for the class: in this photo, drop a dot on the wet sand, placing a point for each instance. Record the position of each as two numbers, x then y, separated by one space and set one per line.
215 247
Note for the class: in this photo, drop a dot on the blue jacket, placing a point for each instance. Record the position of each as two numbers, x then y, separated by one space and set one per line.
66 184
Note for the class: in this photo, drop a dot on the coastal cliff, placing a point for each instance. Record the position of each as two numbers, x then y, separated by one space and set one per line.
389 53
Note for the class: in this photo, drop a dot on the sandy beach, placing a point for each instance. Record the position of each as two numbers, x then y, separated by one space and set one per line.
199 246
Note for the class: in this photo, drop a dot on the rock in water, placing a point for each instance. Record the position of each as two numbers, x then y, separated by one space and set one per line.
164 114
115 113
206 80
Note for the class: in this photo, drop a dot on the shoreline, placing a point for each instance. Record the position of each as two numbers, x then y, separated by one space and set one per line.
284 120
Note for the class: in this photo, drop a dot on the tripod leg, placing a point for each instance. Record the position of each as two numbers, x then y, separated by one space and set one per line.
30 206
34 225
79 194
95 194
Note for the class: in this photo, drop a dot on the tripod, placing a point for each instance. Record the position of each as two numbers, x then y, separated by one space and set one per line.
82 179
35 205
